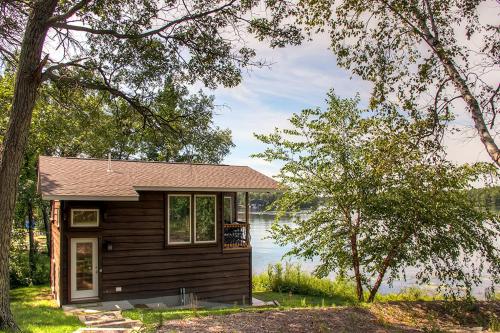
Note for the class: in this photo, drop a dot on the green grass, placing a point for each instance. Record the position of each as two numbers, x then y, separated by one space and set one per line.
410 294
290 279
36 312
289 300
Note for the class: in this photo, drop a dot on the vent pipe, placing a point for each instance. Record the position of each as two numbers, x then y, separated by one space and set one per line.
109 163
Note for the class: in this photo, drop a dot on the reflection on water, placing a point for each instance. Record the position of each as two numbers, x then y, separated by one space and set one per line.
265 252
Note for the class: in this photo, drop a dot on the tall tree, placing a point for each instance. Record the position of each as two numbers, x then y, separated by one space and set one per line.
428 54
387 203
125 48
75 122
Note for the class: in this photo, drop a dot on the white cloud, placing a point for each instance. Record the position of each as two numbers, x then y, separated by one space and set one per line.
299 78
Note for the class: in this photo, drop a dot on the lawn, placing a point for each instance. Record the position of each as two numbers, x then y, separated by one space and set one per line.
36 312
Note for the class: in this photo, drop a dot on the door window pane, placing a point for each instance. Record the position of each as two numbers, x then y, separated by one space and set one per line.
84 266
179 219
228 209
205 218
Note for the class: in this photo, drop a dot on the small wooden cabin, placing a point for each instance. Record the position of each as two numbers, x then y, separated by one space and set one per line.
123 230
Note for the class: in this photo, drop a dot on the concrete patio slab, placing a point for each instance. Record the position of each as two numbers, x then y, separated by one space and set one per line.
98 307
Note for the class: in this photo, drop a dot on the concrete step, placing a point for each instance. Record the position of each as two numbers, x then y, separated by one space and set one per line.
122 323
101 316
105 330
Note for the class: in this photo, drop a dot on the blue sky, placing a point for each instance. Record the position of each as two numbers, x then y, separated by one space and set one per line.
299 77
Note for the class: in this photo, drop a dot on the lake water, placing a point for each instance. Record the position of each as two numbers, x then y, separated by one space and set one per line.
266 252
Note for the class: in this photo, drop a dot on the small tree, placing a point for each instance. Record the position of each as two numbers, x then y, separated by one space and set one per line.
386 203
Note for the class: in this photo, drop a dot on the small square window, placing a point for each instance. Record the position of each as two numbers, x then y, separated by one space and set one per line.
85 217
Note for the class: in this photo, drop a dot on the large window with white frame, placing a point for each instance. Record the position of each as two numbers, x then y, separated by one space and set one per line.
179 219
84 217
205 218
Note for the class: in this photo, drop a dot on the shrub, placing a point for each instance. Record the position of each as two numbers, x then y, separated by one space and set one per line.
19 271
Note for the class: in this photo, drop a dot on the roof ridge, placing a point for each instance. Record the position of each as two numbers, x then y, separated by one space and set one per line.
141 161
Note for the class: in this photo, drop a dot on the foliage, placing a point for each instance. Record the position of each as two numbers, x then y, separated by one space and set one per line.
19 269
488 197
36 312
138 45
264 201
424 54
291 279
387 203
71 122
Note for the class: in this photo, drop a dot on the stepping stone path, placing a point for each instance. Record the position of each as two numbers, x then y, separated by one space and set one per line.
107 322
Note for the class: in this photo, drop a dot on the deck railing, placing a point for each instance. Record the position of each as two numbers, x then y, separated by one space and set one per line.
236 235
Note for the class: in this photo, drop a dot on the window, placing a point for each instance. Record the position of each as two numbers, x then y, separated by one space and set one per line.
228 209
179 219
205 218
85 217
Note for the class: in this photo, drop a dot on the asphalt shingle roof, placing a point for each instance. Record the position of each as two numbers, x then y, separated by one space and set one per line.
89 179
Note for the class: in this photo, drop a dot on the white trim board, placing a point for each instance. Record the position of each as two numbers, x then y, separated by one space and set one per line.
201 189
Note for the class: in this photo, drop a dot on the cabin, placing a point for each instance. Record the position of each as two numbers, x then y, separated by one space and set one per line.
123 230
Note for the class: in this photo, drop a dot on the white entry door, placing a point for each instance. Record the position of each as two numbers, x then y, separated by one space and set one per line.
84 268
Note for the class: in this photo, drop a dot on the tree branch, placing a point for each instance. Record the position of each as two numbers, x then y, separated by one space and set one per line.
146 112
117 34
72 11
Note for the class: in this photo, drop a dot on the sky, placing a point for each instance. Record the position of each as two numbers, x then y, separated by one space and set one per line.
298 78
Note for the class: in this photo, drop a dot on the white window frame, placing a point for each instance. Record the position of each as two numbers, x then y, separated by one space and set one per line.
86 225
169 242
215 219
231 208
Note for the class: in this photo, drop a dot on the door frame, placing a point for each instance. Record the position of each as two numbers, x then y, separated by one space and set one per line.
96 261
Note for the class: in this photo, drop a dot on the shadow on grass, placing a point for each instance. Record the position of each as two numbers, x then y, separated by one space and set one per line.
36 312
462 313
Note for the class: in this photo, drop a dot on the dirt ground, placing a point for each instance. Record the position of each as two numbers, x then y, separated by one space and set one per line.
388 317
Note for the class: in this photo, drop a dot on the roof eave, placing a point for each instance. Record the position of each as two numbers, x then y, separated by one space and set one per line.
89 198
204 189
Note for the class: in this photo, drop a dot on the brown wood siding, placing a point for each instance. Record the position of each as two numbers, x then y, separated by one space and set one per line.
142 264
55 267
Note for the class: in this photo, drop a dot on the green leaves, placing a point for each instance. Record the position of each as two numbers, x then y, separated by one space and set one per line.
377 179
423 55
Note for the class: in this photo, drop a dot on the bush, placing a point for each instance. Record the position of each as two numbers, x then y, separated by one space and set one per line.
291 279
19 270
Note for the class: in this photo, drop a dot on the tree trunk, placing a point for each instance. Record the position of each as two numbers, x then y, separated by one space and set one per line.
376 286
474 107
387 261
32 245
462 87
46 222
28 78
355 265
